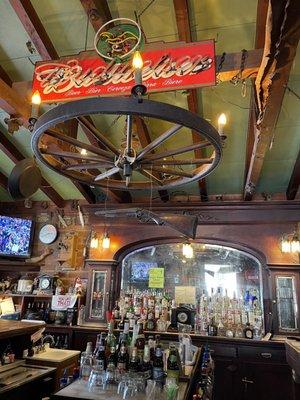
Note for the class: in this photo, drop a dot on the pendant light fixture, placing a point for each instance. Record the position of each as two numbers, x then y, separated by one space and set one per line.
290 243
187 250
106 241
94 241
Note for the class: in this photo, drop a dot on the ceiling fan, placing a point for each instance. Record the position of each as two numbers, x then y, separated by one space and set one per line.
184 224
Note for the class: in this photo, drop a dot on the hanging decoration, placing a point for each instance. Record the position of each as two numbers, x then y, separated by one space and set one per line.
117 39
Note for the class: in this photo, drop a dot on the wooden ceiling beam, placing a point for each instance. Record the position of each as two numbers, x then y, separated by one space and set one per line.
283 30
97 11
184 34
261 18
15 156
12 103
35 29
294 182
3 181
5 77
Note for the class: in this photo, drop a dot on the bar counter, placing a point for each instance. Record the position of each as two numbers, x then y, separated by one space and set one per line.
79 390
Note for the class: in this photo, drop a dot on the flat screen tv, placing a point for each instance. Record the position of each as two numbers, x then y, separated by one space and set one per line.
140 270
16 236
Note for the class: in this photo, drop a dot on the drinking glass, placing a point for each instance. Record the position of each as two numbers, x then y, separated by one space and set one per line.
96 382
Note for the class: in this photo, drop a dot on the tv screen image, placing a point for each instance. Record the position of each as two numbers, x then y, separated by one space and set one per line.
140 270
15 237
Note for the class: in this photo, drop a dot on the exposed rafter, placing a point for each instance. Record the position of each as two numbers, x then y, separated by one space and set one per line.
97 11
12 103
35 29
15 156
283 30
5 77
261 18
184 34
3 181
294 182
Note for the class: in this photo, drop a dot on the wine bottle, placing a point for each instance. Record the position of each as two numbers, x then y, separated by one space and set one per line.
158 367
172 364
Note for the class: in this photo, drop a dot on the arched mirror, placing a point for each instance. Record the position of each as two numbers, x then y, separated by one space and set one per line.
191 273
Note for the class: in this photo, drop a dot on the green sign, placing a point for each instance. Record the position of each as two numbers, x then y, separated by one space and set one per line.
156 278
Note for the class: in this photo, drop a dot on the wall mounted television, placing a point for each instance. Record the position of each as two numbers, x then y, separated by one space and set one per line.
140 270
16 237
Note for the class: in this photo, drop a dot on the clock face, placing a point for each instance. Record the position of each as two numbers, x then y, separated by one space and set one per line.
182 317
45 283
48 234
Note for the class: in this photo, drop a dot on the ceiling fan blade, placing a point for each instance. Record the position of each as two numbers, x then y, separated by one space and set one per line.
107 174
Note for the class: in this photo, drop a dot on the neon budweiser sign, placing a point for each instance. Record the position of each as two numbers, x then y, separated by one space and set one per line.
87 75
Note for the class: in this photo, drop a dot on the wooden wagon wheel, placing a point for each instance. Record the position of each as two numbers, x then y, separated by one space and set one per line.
97 167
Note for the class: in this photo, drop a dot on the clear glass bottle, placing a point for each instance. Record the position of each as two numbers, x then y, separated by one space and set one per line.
86 362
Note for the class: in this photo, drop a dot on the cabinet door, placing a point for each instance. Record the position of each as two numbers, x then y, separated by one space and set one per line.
226 380
287 301
266 381
98 293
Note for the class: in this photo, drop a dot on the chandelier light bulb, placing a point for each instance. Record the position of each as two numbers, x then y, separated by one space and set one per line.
83 152
137 61
106 241
187 250
295 244
36 98
94 242
285 245
222 120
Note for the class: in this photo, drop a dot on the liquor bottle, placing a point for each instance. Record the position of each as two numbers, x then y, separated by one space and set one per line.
86 362
111 367
248 331
99 352
66 342
134 361
57 343
146 364
150 324
172 364
121 323
116 311
140 342
112 358
110 340
158 367
46 313
151 344
212 328
123 359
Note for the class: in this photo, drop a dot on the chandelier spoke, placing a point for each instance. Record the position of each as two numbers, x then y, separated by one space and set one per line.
194 161
181 150
83 121
107 174
87 166
158 141
75 156
150 176
175 172
80 144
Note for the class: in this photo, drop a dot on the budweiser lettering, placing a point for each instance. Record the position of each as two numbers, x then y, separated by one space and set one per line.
180 67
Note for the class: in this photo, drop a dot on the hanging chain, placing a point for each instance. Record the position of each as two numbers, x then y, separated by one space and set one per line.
238 77
222 59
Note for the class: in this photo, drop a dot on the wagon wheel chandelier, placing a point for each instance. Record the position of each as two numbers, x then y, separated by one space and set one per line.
96 166
124 167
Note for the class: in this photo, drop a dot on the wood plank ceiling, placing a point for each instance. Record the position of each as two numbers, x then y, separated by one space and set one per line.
261 155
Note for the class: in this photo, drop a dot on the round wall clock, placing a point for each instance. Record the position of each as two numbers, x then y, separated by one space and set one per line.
48 234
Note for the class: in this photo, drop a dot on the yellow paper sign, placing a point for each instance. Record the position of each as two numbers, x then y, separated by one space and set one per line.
185 295
156 278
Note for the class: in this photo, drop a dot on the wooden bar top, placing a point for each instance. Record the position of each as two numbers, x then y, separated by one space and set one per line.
79 390
10 328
